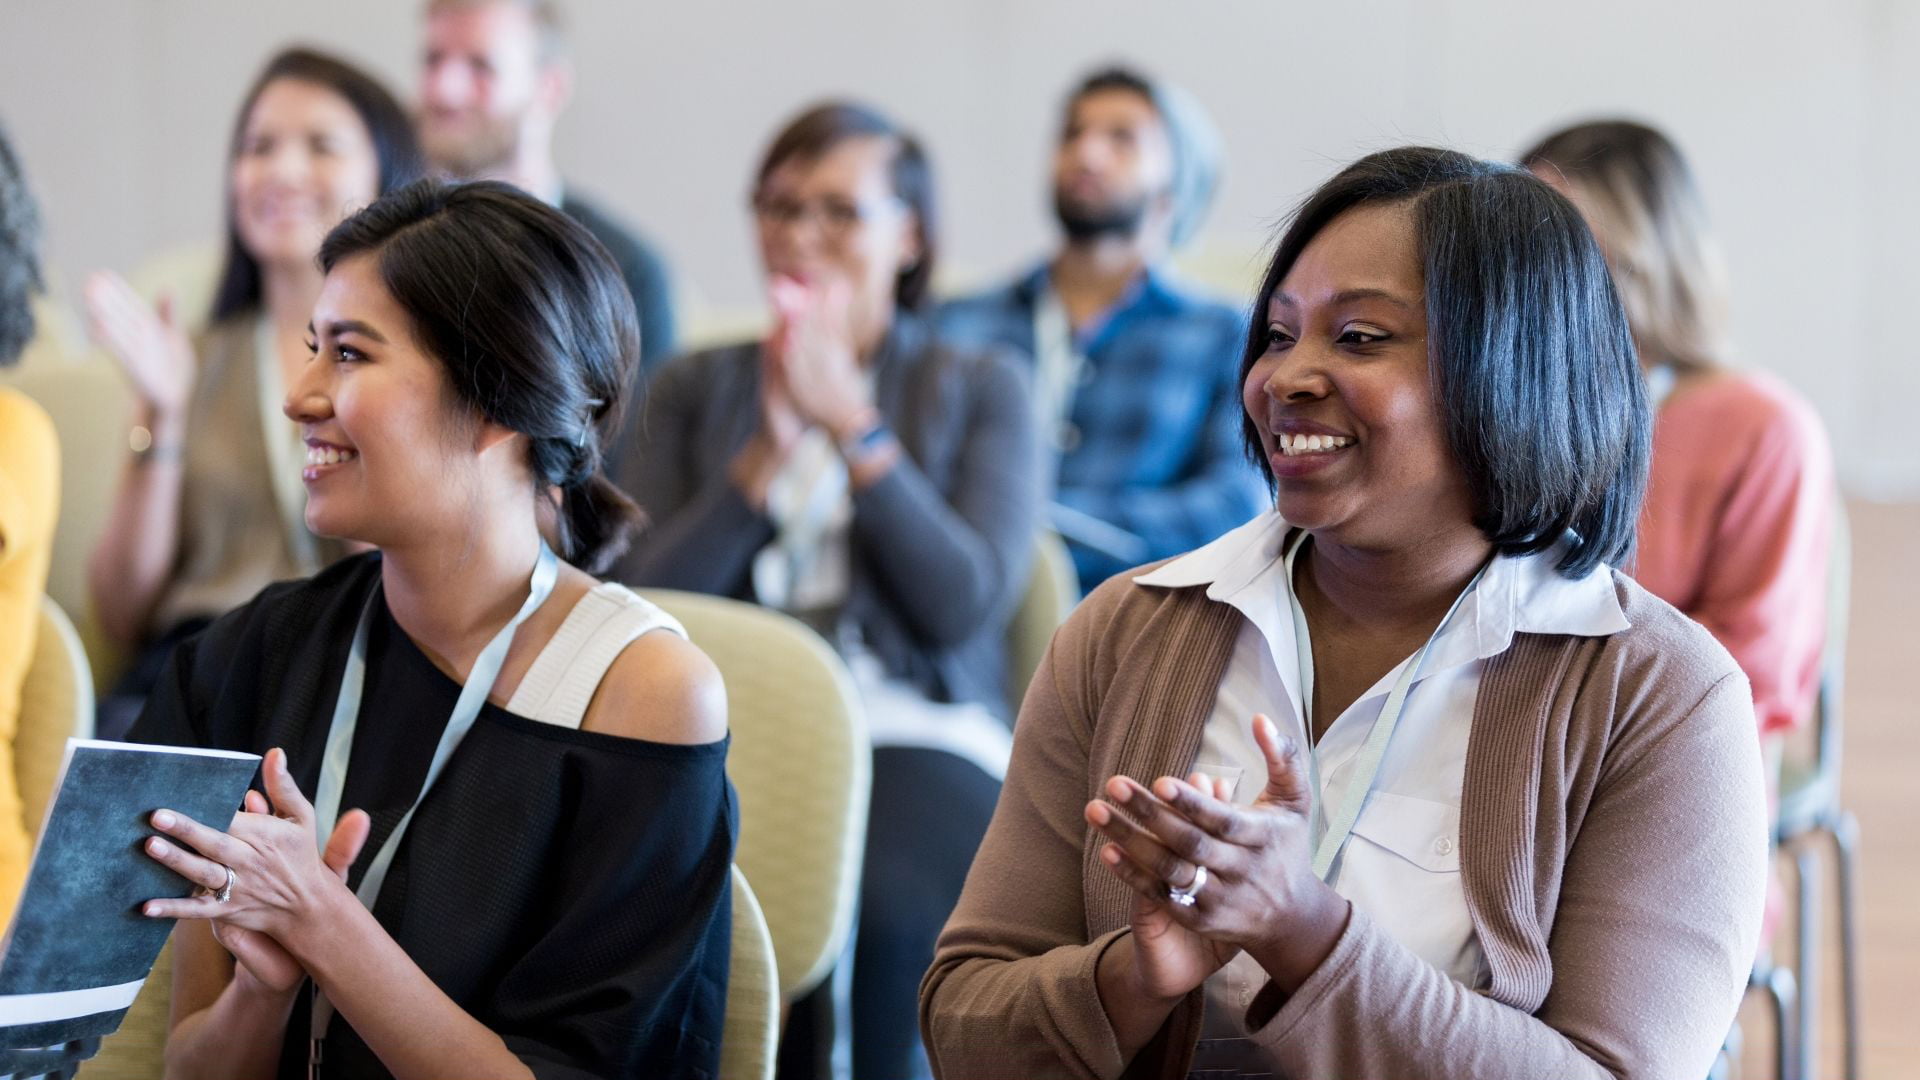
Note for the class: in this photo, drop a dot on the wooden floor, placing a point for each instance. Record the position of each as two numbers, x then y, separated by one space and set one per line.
1881 784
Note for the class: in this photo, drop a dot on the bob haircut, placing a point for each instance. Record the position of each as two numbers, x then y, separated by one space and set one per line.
531 321
811 134
388 128
1531 358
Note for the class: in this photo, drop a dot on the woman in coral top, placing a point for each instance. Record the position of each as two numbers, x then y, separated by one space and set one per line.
1740 504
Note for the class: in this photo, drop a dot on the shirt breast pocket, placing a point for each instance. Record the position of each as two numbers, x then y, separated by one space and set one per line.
1418 831
1229 773
1402 868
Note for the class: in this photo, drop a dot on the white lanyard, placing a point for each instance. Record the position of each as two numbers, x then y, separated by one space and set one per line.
1331 834
346 717
1058 365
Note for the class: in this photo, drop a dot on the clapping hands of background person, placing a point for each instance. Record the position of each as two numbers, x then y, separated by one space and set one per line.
814 353
146 341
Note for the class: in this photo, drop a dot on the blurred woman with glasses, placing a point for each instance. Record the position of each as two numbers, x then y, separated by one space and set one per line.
854 472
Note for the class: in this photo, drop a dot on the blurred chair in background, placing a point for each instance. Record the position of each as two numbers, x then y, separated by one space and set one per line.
800 764
753 992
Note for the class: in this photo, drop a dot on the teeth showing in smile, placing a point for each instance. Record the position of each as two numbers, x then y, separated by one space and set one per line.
1312 444
329 455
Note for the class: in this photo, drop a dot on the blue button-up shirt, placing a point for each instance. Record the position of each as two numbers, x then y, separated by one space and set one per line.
1154 445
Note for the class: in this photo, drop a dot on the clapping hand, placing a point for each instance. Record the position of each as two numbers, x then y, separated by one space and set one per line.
146 341
816 353
1170 959
780 421
274 862
1260 893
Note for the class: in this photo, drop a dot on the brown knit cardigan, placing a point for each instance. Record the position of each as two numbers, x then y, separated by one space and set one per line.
1613 852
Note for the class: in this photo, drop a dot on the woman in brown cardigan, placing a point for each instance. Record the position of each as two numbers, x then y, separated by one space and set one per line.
1518 829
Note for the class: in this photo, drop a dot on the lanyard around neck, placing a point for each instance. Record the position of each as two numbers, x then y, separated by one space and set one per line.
346 718
1331 833
1058 363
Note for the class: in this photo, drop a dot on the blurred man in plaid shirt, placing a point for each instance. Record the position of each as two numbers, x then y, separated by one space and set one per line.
1135 377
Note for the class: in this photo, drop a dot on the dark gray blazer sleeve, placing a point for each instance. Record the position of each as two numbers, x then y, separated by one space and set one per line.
954 564
701 535
652 289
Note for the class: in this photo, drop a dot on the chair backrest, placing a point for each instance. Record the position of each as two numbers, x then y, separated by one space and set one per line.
752 1034
1052 591
88 403
56 704
800 761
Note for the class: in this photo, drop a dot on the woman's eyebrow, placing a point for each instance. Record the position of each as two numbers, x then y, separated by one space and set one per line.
355 326
1347 296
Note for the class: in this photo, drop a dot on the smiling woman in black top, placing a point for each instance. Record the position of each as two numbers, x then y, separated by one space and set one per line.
533 879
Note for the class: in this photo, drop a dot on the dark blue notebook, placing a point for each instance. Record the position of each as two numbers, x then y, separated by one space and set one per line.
78 948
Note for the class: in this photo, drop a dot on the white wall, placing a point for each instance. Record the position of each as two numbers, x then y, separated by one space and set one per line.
1801 119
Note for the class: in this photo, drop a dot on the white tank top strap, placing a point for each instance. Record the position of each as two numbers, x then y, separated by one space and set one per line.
560 684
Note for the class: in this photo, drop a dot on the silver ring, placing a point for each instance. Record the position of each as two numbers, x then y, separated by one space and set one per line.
226 891
1183 897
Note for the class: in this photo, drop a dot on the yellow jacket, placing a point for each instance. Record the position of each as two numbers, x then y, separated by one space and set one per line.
29 504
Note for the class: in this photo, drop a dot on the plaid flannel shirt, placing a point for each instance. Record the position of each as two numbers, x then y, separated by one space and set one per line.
1152 443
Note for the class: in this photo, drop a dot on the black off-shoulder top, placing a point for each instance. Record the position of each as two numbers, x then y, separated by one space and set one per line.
569 889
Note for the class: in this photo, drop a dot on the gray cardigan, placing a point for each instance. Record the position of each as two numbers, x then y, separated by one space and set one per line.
941 545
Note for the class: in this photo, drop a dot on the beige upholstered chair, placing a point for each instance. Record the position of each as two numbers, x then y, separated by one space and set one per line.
56 704
1052 591
89 405
752 1032
800 761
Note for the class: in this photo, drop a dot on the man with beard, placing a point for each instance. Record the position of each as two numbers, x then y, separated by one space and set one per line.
1135 377
494 78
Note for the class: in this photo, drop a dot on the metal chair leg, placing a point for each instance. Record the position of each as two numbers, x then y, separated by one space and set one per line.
1846 848
1783 991
1806 962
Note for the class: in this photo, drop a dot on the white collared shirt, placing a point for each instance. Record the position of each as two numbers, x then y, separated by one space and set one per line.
1402 864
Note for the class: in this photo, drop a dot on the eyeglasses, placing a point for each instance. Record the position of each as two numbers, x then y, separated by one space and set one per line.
836 217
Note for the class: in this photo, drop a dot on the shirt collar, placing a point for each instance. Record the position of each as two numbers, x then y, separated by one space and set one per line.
1518 594
1228 564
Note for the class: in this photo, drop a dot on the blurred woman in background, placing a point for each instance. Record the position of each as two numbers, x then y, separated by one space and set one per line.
1740 507
855 472
209 504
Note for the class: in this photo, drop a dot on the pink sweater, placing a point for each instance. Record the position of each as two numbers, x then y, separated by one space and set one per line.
1737 527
